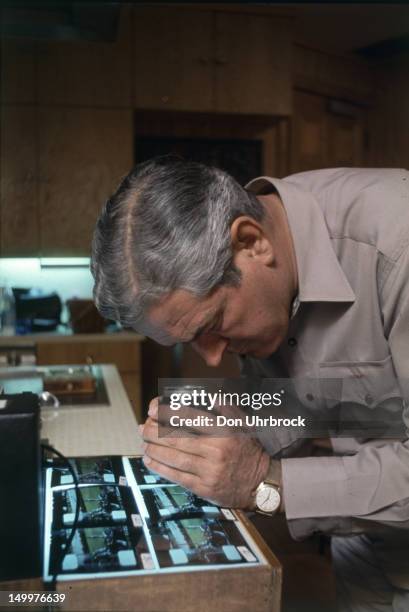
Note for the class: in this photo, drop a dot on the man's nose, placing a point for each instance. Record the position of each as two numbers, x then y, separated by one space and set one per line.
211 348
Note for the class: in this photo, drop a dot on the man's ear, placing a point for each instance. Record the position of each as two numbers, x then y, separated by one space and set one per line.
249 239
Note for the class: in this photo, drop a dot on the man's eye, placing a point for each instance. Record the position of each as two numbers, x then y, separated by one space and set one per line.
217 324
208 330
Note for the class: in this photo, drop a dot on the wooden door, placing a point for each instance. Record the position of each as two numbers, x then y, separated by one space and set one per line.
172 59
252 64
83 155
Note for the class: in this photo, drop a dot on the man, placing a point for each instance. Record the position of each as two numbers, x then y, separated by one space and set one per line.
305 277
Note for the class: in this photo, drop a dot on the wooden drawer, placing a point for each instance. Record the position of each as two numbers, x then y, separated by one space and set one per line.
125 355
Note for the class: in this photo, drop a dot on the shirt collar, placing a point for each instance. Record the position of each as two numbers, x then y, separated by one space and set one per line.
320 276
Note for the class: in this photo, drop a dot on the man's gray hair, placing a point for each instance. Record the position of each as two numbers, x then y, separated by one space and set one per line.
166 227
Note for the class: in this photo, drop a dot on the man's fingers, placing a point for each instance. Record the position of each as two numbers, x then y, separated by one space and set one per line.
172 457
223 470
193 444
215 448
186 418
185 479
153 407
202 422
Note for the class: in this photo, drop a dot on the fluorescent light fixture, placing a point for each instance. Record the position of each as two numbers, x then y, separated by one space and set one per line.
64 262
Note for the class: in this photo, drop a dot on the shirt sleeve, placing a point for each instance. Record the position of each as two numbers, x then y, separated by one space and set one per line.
364 491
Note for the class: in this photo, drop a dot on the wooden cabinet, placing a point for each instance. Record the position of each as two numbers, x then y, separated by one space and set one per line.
68 72
82 155
326 133
252 60
199 60
124 353
95 73
19 185
18 83
66 114
172 65
66 139
58 166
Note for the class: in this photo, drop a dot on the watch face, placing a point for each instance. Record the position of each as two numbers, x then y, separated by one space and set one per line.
268 499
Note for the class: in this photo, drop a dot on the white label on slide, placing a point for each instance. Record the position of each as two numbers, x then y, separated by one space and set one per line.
147 561
227 514
244 551
136 520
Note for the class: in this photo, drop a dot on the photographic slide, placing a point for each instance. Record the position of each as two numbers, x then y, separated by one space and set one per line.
172 501
99 505
199 541
88 470
143 475
98 549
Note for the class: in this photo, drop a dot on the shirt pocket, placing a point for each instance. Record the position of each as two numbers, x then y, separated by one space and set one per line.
368 397
364 382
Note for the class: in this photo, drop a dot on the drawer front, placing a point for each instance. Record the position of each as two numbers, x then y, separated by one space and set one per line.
125 355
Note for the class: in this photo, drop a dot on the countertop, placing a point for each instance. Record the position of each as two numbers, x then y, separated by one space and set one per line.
79 431
91 429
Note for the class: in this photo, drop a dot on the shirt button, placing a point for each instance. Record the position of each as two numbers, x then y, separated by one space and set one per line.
309 397
368 399
292 342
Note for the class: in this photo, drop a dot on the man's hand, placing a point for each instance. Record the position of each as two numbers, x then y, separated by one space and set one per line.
224 470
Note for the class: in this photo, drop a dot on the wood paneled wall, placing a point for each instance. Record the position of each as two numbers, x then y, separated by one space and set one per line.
333 75
388 129
67 116
66 139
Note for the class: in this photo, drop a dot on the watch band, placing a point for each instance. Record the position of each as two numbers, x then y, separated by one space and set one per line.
273 476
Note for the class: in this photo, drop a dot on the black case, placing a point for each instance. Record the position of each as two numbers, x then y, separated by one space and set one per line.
21 487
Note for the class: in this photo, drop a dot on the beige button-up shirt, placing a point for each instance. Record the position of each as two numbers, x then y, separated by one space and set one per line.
350 229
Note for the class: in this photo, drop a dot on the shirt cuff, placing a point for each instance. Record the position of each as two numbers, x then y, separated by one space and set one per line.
300 529
315 487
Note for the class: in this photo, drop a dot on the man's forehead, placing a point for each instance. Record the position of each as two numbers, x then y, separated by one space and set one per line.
180 316
171 307
175 316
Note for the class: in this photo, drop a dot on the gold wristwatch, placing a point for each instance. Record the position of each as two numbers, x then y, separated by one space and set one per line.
268 494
